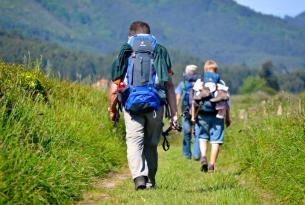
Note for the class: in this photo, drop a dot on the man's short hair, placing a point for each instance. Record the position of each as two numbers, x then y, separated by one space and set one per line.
138 27
210 65
190 69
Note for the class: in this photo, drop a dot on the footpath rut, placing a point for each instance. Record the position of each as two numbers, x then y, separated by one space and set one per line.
96 196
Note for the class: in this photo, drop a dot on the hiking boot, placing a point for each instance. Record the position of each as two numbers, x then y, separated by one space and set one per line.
211 168
221 96
150 184
140 182
204 92
204 164
187 156
196 158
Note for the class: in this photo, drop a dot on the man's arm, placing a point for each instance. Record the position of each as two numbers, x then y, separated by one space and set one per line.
112 100
171 97
193 119
178 98
179 93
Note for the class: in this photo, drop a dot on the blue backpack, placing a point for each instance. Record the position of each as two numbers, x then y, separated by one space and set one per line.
205 104
188 83
141 75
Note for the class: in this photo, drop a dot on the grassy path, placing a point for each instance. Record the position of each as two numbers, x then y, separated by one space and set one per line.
254 165
179 181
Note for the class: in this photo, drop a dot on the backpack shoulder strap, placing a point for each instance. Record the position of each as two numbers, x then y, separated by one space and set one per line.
184 86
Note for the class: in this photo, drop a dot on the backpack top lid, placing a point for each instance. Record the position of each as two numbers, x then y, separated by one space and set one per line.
141 70
140 41
211 77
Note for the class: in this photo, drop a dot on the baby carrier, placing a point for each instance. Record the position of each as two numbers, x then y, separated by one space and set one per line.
204 104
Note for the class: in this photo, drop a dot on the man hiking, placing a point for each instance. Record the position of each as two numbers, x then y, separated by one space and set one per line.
141 75
184 97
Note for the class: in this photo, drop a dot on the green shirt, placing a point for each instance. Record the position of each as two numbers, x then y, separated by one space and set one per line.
162 63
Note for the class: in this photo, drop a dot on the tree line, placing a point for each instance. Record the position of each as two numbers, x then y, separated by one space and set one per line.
81 66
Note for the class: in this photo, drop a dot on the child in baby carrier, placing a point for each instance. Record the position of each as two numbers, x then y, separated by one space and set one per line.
212 87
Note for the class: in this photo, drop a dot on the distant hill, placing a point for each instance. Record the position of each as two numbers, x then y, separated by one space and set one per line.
64 62
299 20
68 63
218 29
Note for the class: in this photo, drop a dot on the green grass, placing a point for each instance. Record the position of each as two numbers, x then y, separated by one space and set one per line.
261 162
273 153
56 141
51 150
270 147
179 181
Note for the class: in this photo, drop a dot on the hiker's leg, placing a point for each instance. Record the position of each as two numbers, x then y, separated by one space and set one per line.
196 147
214 153
203 144
217 137
135 144
202 132
153 130
186 145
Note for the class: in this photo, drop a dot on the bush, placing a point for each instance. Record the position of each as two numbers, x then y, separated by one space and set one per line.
252 84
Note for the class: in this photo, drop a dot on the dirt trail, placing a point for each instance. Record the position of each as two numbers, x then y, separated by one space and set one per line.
109 182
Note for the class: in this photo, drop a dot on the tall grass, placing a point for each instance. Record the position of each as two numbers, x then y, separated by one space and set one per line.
270 145
55 138
261 162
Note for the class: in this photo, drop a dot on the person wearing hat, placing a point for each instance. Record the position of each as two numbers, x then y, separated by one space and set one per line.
184 97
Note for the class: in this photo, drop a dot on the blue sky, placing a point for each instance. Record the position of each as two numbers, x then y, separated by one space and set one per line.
276 7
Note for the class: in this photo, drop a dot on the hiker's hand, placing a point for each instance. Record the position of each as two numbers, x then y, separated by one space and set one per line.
193 120
174 122
113 114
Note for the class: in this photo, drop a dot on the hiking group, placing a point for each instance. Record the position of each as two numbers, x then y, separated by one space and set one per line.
143 90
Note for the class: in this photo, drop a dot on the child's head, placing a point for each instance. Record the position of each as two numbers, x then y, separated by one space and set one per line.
210 66
138 27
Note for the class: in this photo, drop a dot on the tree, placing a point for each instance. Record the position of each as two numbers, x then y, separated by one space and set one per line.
252 84
266 73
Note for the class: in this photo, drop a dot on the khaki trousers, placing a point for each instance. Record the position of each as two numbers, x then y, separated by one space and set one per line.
143 133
